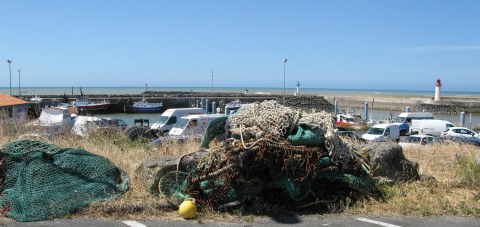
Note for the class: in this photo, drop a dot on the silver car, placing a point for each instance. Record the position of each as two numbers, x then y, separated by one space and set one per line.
460 132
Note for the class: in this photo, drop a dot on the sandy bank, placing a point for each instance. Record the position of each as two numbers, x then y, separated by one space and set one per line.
452 104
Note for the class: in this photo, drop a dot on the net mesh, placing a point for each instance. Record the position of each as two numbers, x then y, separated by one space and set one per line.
42 181
268 118
265 147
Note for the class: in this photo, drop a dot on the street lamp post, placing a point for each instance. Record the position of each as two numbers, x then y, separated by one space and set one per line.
212 81
19 91
284 63
10 69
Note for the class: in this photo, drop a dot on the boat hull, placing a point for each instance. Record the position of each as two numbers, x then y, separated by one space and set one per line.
135 109
95 107
92 108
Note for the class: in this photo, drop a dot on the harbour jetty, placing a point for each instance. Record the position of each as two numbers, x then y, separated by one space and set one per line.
182 99
447 105
395 103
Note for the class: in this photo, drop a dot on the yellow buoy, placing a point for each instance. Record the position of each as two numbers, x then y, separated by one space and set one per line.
187 209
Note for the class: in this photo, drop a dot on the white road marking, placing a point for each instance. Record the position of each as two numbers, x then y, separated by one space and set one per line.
377 222
134 224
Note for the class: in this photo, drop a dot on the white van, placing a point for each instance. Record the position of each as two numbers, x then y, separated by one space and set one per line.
430 127
383 132
405 119
169 118
409 116
192 126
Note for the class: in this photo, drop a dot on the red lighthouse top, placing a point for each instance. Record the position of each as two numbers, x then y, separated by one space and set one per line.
439 83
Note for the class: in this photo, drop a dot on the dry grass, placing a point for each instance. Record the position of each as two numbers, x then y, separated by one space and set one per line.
447 195
452 193
126 155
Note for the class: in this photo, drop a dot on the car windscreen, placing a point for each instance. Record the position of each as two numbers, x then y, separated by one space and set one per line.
376 131
121 123
163 119
181 123
413 139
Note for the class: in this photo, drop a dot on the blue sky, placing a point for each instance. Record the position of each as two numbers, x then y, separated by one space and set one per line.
392 45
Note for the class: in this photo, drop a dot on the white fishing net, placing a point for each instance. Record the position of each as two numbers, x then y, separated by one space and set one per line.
269 117
273 120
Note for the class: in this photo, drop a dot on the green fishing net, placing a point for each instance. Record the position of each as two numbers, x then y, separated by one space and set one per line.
42 181
305 135
214 128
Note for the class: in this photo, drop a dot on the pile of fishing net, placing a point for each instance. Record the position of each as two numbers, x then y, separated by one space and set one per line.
41 181
270 152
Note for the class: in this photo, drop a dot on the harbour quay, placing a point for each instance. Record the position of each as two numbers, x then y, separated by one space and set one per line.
446 105
183 99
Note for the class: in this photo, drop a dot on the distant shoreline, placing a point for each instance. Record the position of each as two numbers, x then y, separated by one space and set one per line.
254 90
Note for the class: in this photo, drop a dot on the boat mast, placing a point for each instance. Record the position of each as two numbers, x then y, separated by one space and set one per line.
143 94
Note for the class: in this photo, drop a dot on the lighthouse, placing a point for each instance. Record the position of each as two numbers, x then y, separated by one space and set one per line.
438 85
298 87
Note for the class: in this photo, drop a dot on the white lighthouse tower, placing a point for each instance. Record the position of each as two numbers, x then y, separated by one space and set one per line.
438 85
298 87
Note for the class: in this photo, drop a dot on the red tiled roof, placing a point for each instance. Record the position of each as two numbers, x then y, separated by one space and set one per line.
6 100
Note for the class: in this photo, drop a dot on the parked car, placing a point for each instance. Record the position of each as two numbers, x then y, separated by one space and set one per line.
414 140
382 133
115 123
169 118
404 120
352 135
460 132
191 127
430 127
459 139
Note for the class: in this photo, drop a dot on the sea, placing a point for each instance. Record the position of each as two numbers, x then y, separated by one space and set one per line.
60 91
471 120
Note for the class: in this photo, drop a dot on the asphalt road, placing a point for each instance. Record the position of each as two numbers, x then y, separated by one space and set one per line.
309 220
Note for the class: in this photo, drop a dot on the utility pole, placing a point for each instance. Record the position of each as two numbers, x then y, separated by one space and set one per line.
284 63
19 91
10 69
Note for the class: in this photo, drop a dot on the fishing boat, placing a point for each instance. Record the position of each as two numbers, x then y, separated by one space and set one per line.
84 106
36 99
346 118
233 106
143 107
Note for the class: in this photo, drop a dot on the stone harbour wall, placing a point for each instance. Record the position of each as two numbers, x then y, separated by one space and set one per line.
439 108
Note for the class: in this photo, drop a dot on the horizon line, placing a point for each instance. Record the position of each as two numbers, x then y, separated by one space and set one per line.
209 88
